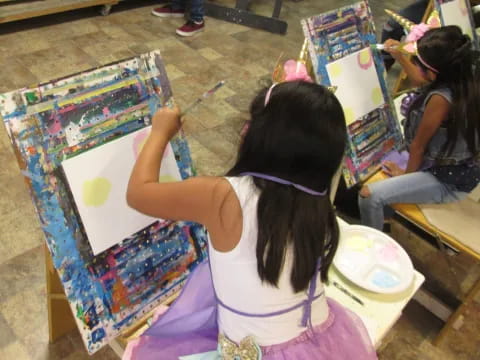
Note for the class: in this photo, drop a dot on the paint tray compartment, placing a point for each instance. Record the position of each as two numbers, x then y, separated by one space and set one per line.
373 260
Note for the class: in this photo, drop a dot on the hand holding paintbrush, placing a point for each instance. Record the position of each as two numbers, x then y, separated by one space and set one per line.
391 46
168 121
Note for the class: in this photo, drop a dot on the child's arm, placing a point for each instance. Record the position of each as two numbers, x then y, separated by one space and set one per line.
197 199
436 111
413 72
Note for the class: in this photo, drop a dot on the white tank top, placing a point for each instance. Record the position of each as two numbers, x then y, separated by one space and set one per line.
238 285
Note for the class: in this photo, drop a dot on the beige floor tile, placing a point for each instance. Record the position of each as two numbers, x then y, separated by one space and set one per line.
21 273
26 313
205 161
14 351
209 53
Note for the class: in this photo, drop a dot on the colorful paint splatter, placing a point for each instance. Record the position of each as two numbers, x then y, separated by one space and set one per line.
332 36
64 117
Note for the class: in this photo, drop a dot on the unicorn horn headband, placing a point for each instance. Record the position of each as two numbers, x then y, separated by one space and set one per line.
293 70
415 33
406 24
433 20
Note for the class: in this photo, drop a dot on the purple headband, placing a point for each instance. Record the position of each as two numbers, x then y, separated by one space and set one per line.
424 63
285 182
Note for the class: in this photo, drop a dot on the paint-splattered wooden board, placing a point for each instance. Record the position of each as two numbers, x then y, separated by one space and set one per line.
109 291
339 46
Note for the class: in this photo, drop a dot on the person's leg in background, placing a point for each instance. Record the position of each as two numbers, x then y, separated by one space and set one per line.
414 188
195 23
393 30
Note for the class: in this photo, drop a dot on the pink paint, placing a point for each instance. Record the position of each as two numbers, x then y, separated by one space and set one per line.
55 127
389 252
365 59
106 111
140 139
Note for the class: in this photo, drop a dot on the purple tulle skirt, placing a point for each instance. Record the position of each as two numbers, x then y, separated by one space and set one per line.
189 326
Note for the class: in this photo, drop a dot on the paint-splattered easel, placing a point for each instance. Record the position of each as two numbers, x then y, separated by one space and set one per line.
60 317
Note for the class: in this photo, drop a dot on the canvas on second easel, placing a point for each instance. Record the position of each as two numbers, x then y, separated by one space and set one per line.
339 47
458 12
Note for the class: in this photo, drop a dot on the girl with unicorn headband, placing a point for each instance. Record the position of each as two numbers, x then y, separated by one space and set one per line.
272 237
442 125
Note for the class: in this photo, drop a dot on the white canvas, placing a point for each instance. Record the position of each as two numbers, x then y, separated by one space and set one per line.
456 13
359 89
98 181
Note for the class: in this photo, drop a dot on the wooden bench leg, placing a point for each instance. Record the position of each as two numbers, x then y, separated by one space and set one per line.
456 319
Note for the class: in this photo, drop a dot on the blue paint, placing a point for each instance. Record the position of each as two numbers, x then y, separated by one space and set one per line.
384 279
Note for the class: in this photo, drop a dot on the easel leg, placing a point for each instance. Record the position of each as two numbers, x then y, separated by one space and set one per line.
60 317
455 320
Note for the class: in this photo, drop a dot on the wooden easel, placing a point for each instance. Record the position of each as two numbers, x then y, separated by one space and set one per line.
60 317
61 320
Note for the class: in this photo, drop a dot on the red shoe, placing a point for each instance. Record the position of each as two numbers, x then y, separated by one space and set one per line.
190 28
167 11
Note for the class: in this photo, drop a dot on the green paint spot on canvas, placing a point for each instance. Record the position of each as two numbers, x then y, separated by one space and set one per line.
167 178
349 115
95 192
377 96
335 69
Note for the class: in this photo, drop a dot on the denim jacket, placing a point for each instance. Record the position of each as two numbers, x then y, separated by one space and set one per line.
433 154
459 168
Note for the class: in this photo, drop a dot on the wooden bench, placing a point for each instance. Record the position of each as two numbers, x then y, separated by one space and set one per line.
413 215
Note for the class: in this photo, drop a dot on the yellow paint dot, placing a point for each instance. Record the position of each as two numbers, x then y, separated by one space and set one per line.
166 178
377 96
349 115
96 191
359 243
335 69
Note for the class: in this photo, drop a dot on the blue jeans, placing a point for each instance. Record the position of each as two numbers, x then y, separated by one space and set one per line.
414 188
196 8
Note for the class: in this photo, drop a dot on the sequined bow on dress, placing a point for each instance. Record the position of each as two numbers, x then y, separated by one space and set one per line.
246 350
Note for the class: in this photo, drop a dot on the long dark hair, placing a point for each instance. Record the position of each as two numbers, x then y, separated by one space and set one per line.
300 136
450 52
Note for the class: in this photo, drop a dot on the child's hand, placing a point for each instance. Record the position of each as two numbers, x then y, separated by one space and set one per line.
166 121
391 47
392 169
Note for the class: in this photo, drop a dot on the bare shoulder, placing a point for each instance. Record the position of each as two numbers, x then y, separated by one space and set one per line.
226 226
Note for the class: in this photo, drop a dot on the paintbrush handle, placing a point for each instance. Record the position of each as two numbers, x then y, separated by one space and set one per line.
204 96
382 47
348 293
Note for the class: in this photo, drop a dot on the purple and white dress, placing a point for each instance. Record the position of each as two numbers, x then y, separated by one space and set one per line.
225 299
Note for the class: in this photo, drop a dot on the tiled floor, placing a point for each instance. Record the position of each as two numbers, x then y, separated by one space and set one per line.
37 50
